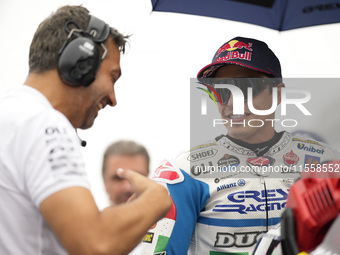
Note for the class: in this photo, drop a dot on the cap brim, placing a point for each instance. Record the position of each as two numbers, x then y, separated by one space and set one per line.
213 67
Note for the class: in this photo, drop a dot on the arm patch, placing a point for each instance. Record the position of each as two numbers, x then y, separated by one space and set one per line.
167 173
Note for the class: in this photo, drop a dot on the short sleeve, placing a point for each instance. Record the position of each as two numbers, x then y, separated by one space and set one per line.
49 157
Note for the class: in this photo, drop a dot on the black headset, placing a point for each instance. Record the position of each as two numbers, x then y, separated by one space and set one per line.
79 57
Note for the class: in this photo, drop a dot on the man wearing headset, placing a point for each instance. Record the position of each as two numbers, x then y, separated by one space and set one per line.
46 205
227 192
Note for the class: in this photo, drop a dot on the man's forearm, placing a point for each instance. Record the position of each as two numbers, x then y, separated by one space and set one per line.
132 220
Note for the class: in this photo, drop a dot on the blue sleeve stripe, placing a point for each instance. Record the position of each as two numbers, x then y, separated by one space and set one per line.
238 223
189 196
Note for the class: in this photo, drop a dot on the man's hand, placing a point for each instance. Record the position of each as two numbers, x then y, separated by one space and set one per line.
141 183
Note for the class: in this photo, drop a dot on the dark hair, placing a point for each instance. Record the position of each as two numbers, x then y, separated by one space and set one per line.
51 35
126 148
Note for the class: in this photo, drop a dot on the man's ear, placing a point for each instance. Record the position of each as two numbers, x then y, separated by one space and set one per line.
279 87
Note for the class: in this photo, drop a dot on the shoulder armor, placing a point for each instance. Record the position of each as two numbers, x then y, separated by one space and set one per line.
168 173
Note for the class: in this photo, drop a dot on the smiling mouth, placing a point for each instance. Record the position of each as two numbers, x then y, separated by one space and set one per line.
102 104
237 116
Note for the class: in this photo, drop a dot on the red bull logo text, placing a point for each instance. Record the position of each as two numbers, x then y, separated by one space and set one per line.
234 45
235 55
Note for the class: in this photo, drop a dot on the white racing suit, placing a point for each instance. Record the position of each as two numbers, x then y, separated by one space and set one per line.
225 196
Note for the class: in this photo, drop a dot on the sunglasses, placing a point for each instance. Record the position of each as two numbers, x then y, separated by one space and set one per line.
258 85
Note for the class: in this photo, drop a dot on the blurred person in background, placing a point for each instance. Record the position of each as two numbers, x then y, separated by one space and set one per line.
126 155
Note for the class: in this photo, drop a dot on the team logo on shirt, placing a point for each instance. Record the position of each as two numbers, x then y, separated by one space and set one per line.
253 201
202 155
228 161
261 165
148 237
290 159
167 173
311 160
304 147
226 186
202 168
241 182
260 161
243 239
239 150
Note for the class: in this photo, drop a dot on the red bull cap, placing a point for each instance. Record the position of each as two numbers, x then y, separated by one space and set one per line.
246 52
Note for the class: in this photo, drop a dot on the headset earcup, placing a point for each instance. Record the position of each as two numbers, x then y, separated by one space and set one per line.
79 61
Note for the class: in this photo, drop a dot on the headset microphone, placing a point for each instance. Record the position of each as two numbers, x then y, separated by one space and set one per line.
82 142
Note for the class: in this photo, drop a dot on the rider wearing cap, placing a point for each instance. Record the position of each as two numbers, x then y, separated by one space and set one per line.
227 212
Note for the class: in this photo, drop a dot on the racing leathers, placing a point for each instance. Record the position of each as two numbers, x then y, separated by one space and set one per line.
225 195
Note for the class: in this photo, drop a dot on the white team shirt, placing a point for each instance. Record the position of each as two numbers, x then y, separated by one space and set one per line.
39 156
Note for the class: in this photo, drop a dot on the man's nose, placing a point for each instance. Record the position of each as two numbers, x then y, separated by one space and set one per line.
113 100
